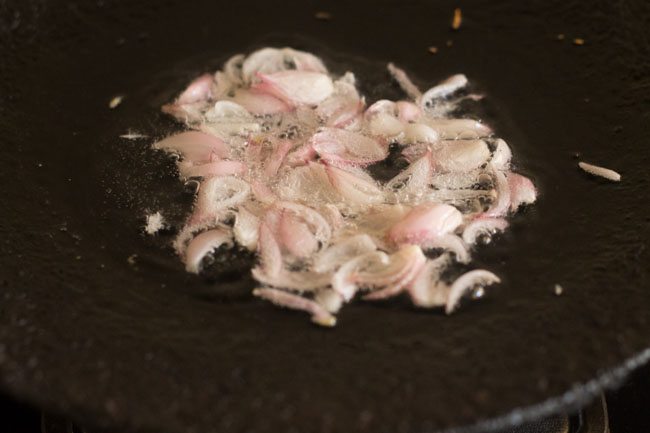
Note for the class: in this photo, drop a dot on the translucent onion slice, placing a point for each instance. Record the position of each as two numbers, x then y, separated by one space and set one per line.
201 245
483 227
467 282
338 146
195 147
319 315
296 87
425 223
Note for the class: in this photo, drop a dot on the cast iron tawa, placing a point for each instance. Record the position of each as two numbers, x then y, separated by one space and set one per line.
140 345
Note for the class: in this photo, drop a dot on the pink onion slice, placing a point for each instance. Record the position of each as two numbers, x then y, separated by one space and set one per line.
296 281
419 133
522 191
195 147
404 82
271 60
426 290
329 299
342 251
424 223
354 188
403 267
500 206
260 103
408 111
468 281
211 169
219 193
269 252
410 183
338 146
461 155
246 229
296 87
444 89
202 245
451 129
501 156
451 243
319 315
345 280
343 107
281 148
296 236
199 90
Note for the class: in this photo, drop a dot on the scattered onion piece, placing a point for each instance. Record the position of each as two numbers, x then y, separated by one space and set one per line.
202 245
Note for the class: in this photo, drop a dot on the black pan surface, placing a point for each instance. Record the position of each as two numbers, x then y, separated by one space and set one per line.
142 346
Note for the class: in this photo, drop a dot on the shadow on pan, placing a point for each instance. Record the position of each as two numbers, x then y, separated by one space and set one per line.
139 345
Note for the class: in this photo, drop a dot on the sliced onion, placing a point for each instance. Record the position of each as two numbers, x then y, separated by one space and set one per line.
317 224
269 252
408 111
202 245
211 169
466 282
483 226
345 280
501 156
426 290
296 87
260 103
340 146
296 236
319 315
233 68
340 252
419 133
310 181
500 206
444 89
450 243
451 129
342 107
285 155
246 229
194 147
461 155
302 155
329 299
271 60
281 148
219 193
404 82
522 191
199 90
381 119
410 183
424 223
298 281
403 267
354 189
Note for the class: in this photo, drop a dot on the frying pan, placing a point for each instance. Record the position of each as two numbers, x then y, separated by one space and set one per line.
140 345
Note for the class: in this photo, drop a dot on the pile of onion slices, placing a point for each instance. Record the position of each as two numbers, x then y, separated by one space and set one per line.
282 152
